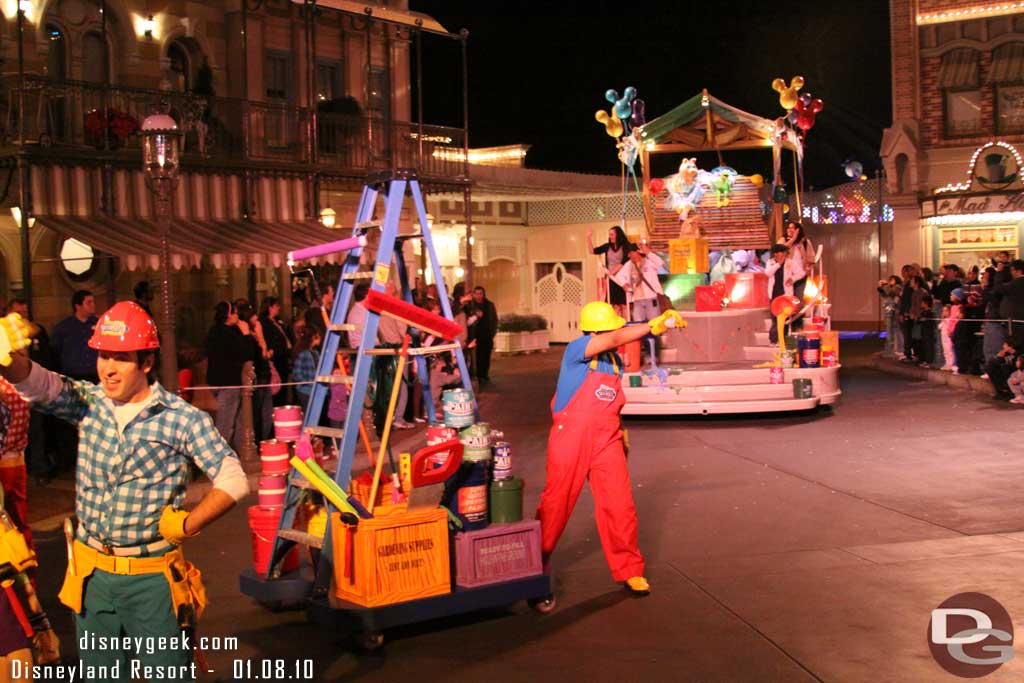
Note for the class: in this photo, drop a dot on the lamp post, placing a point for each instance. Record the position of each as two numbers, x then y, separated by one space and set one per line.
161 140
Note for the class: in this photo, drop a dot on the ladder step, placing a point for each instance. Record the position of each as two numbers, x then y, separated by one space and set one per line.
301 537
361 275
368 225
333 432
335 379
341 327
418 351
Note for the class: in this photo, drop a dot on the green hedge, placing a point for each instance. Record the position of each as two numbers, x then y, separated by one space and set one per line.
522 323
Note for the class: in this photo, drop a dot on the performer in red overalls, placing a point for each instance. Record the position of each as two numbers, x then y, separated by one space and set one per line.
586 441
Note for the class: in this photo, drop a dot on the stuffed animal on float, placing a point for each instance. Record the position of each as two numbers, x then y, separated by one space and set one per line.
629 149
746 261
723 180
725 265
684 189
691 227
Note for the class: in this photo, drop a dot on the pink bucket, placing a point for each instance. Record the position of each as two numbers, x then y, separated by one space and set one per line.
263 524
274 457
271 491
287 423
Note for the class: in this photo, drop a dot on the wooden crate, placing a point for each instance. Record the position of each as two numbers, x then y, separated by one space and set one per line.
501 552
394 558
688 255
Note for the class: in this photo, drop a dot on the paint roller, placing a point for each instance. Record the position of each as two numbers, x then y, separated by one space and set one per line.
411 315
304 452
328 248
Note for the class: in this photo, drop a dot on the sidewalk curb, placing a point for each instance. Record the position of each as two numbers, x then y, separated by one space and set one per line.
966 382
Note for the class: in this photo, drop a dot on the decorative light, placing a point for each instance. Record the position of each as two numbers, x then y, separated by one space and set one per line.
148 27
161 140
970 12
483 157
459 272
962 187
16 212
977 218
327 217
24 5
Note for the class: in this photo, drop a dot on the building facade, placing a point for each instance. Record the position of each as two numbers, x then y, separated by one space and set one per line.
952 156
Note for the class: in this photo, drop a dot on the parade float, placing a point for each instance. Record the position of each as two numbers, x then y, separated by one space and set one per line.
713 228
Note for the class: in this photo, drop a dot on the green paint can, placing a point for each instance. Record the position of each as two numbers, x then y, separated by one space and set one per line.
636 381
506 501
802 388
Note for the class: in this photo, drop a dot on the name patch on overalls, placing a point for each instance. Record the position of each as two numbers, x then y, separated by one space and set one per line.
605 393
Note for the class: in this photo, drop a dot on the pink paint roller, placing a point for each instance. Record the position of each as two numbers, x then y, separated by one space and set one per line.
414 316
324 249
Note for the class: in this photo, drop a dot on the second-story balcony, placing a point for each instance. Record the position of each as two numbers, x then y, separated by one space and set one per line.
73 120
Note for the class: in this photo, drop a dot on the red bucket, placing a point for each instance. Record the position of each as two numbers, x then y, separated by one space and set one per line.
439 434
287 423
274 457
263 524
272 490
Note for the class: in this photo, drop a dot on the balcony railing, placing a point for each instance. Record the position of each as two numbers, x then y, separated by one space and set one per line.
68 115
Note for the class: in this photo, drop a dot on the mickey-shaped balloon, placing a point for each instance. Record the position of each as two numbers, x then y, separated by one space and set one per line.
806 108
788 94
637 118
612 124
624 106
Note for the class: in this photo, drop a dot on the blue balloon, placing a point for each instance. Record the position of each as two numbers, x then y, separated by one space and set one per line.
629 93
623 109
611 95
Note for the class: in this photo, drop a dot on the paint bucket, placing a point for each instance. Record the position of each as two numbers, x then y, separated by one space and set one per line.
828 357
776 375
809 351
636 381
630 355
274 457
789 358
459 408
476 453
439 434
802 388
502 460
271 491
506 501
287 423
476 436
263 523
466 492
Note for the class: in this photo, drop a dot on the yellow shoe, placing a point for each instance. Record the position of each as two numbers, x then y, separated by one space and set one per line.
638 585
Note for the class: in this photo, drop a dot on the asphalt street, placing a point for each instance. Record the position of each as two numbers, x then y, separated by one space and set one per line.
780 548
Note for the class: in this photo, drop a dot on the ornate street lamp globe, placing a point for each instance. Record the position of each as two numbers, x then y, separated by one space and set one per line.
161 140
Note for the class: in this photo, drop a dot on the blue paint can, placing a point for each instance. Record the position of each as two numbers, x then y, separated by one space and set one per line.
502 460
458 407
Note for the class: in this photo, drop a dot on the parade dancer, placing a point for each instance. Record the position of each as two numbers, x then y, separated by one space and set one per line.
586 441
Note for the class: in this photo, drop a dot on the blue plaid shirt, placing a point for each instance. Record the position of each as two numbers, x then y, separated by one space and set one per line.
125 480
304 370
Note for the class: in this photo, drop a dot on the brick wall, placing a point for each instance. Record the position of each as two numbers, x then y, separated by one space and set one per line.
902 28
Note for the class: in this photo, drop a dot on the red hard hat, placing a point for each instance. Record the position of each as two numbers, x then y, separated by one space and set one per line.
125 327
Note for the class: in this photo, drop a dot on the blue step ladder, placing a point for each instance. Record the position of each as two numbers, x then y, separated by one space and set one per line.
391 187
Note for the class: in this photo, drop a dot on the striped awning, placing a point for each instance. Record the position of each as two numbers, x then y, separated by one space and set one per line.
1007 64
222 243
959 69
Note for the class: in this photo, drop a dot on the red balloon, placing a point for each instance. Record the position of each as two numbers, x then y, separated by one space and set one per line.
785 304
718 288
656 185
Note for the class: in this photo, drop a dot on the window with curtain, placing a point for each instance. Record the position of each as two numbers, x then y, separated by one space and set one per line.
330 84
1007 74
961 85
379 95
276 76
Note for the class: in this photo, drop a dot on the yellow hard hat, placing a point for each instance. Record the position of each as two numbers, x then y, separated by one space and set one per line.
598 316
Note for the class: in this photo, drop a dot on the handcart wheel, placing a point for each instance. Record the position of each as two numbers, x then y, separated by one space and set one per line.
545 605
370 640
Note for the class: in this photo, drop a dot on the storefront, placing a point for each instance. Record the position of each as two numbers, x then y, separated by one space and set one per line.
968 223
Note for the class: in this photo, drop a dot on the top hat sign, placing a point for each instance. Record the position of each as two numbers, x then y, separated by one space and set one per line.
996 169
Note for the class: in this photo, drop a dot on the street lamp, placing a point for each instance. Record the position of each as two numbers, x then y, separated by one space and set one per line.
327 217
161 140
16 213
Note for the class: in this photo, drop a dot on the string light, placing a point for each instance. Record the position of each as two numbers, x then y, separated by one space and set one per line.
483 156
964 186
970 13
977 218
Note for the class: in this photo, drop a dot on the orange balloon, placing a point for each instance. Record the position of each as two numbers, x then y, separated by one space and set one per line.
612 124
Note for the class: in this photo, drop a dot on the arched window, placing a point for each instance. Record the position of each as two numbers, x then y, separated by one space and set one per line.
181 67
95 58
961 85
57 55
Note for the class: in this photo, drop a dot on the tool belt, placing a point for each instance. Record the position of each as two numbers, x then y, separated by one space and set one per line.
187 591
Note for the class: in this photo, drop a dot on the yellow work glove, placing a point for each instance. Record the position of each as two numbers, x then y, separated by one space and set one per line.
666 321
15 335
172 525
47 646
15 551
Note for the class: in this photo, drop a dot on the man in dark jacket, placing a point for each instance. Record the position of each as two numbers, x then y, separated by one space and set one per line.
482 321
1012 305
229 345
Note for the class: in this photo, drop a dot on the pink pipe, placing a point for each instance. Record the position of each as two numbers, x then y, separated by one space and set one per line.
329 248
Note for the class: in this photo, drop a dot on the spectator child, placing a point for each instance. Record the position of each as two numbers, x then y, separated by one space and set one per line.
951 314
1016 381
307 356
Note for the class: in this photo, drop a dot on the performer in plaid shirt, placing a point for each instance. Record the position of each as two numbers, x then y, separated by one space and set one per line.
13 475
128 576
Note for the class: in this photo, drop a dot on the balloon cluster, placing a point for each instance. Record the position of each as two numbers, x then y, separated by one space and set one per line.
627 112
801 107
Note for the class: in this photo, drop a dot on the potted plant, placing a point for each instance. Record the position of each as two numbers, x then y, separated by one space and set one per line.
121 125
521 333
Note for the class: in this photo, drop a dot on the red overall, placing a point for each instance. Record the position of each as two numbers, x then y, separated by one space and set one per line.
586 442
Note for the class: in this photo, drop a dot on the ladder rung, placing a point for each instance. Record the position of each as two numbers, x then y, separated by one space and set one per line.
368 225
333 432
417 351
361 275
341 327
301 537
335 379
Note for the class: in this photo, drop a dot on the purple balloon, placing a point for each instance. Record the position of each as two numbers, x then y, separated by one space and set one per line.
637 119
794 115
805 99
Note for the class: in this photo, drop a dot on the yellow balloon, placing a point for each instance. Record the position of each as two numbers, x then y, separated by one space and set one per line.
758 180
788 95
612 124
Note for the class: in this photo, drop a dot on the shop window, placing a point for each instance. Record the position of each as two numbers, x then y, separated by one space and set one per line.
1010 108
963 112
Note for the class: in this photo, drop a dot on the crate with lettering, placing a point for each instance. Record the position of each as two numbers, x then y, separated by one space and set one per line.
398 557
501 552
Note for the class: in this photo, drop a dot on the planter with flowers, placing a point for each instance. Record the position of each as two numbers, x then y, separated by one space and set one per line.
121 125
521 334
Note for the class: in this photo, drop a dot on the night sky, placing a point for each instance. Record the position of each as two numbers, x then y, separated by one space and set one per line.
538 72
